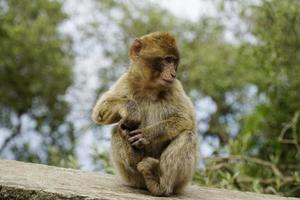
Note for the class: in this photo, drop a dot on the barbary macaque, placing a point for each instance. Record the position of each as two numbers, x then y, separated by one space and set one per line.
154 144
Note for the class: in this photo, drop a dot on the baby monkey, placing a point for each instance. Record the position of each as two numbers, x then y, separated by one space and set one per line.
154 145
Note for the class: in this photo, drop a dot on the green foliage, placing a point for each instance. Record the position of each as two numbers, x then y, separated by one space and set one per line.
266 151
253 84
35 72
102 161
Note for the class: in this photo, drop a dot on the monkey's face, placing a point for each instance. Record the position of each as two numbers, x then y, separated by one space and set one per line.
157 58
162 69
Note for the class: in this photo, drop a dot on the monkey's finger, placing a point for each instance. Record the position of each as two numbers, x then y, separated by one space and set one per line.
107 115
144 141
135 132
134 138
138 144
141 142
123 132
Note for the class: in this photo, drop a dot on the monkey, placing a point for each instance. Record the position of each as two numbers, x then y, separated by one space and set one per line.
154 144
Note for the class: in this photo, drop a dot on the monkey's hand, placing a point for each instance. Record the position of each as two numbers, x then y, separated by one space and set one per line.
129 124
138 139
124 132
132 117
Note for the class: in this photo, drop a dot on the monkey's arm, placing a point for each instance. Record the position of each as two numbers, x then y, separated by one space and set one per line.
170 128
109 109
114 105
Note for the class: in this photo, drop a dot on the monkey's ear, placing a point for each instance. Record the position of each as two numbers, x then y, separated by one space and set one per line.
135 49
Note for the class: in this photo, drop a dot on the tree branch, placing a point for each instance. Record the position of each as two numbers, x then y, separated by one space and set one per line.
274 168
293 126
15 133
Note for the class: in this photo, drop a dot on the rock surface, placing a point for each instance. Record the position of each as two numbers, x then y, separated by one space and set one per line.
19 180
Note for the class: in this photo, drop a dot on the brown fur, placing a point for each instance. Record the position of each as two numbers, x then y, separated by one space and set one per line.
155 143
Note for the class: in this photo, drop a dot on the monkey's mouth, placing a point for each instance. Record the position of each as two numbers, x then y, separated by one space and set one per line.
169 81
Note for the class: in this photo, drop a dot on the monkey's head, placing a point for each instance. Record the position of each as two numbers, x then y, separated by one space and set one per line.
155 58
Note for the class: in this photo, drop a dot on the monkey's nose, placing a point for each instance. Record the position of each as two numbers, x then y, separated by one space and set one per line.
173 75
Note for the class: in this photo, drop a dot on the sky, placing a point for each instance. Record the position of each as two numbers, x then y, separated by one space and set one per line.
189 9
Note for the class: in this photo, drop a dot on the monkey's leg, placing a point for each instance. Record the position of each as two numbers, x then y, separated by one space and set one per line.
125 160
174 169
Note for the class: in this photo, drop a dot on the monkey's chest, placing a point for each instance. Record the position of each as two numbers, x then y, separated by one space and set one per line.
151 114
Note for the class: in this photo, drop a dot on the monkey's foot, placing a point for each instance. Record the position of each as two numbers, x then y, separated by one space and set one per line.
147 165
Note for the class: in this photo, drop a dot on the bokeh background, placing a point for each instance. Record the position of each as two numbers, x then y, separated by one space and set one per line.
240 65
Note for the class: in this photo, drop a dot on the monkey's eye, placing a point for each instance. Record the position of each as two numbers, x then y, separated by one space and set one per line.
170 59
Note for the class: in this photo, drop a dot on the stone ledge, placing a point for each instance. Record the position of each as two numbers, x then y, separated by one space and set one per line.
19 180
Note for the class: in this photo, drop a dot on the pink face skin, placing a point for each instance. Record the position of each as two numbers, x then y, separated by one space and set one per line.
163 69
168 74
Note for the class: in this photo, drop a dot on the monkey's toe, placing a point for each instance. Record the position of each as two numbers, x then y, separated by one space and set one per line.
147 164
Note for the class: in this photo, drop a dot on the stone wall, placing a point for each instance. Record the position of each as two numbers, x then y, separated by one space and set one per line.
20 181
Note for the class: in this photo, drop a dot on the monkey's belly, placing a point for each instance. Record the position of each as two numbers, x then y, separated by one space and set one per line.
155 150
153 113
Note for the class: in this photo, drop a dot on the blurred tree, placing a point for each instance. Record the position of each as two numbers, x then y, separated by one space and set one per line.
35 72
271 131
253 84
265 154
